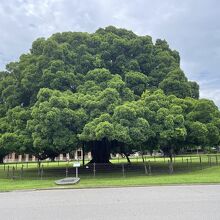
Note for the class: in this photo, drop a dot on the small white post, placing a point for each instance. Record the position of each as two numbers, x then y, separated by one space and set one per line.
76 165
76 172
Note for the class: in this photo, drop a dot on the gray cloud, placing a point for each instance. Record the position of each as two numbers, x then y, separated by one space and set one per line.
191 27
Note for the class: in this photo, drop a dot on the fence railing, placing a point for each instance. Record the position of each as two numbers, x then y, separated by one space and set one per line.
145 165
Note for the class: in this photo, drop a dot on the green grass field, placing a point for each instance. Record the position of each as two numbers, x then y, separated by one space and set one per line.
187 170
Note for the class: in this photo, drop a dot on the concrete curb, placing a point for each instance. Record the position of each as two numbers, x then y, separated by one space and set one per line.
106 187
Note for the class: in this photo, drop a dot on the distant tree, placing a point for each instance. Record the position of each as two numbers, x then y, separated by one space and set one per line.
202 124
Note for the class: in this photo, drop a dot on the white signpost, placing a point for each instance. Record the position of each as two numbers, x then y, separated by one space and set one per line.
76 165
70 180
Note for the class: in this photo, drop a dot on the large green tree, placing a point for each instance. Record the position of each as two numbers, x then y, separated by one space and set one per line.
109 91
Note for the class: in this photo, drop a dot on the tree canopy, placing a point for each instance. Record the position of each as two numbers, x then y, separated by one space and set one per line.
110 91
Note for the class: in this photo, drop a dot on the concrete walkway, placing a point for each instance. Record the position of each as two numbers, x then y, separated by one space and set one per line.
160 202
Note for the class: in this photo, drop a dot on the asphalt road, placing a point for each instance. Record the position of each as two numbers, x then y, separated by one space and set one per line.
159 202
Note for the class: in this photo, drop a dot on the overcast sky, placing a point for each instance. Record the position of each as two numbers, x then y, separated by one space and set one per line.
191 27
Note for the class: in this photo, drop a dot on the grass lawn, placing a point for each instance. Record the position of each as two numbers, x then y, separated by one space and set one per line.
184 173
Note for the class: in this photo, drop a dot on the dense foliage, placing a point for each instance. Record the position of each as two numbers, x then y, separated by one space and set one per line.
110 91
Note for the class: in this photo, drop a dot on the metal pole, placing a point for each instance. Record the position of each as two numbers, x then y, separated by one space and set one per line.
66 171
94 170
76 172
22 170
149 167
42 171
38 169
13 172
200 161
8 171
123 170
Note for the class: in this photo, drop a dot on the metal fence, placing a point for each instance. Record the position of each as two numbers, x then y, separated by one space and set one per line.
117 168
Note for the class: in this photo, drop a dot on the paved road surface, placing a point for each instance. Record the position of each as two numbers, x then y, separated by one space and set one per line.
165 202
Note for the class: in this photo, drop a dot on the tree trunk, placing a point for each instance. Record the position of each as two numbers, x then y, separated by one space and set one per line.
168 151
52 158
142 154
2 155
171 158
100 151
171 155
123 151
1 159
127 157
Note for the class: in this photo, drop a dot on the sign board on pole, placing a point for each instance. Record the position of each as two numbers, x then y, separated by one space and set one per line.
76 164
